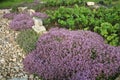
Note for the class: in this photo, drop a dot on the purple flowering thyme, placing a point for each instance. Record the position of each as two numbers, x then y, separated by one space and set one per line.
9 15
72 55
21 21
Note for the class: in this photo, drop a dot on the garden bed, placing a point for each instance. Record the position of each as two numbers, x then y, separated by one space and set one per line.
15 45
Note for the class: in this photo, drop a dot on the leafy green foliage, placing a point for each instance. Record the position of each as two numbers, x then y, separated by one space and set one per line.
105 21
70 17
83 17
62 2
109 32
11 3
27 40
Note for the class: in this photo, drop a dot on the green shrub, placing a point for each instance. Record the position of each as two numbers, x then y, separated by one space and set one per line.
27 40
110 33
12 3
62 2
70 17
84 18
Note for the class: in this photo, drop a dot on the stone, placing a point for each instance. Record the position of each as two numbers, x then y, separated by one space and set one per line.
25 76
20 74
1 77
38 27
90 3
9 50
13 59
38 21
2 60
30 11
31 76
4 11
7 10
16 69
22 9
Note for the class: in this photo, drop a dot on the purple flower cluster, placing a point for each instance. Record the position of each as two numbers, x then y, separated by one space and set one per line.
40 15
72 55
9 15
21 21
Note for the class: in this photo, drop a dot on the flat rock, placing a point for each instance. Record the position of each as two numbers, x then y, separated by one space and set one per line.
38 27
90 3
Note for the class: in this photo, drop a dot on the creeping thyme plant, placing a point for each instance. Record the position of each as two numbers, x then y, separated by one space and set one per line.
72 55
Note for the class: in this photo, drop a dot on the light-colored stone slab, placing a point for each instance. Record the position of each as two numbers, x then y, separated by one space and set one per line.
22 9
38 27
90 3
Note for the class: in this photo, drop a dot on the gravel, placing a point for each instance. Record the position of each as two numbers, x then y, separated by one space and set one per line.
11 55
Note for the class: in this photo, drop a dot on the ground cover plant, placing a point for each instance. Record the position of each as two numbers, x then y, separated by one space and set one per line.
62 2
21 21
27 39
73 55
88 19
72 2
12 3
9 15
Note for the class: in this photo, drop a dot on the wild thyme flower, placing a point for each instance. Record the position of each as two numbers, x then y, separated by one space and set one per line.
21 21
9 15
66 55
